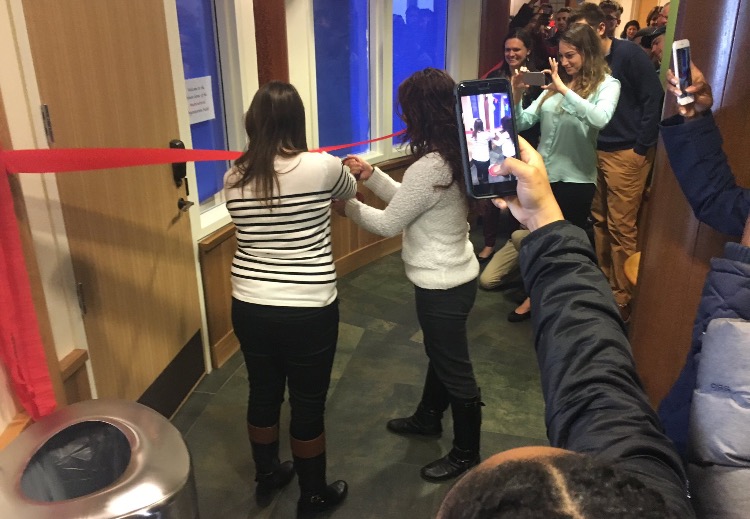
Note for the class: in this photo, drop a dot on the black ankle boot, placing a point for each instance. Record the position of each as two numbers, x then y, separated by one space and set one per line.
315 495
424 422
452 465
330 496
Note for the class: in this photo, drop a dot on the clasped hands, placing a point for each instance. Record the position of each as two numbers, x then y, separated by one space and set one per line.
361 169
534 204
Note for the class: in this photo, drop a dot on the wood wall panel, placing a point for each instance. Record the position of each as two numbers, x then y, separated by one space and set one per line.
495 20
216 252
270 40
676 247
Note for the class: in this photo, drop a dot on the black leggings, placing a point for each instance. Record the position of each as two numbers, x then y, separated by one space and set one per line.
483 171
574 200
293 346
442 316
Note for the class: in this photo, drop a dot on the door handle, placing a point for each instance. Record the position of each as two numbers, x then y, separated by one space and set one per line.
179 169
184 205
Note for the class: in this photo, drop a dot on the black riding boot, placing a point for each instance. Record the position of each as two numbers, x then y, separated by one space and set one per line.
467 422
270 473
315 494
426 420
310 464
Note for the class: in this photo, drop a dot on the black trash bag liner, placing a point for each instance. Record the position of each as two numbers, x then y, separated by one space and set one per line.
79 460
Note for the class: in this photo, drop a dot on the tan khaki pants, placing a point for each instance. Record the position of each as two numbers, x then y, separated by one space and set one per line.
619 193
503 267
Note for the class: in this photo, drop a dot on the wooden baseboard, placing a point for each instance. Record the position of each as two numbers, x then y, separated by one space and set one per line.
365 255
74 376
224 349
16 427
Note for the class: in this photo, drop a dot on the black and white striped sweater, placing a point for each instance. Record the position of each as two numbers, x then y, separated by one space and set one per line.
283 253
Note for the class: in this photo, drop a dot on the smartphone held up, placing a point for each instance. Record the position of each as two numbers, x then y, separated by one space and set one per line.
681 57
487 133
535 78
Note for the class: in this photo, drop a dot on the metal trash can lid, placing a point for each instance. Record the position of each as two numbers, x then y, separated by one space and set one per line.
159 465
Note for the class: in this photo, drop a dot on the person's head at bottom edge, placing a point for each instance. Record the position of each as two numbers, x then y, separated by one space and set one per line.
550 483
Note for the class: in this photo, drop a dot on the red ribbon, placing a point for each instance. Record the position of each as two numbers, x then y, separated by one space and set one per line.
21 348
86 159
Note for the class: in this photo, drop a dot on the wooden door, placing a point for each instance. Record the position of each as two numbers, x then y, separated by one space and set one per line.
104 70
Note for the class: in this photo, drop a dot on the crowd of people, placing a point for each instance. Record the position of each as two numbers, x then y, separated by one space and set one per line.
590 135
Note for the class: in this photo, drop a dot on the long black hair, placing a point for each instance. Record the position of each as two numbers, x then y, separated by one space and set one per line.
275 126
478 127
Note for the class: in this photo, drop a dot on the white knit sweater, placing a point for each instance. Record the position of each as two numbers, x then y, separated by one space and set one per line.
436 249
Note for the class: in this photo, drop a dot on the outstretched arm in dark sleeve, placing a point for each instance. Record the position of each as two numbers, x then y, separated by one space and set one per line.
703 172
595 403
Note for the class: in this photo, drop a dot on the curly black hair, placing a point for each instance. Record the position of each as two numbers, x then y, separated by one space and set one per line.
427 105
573 486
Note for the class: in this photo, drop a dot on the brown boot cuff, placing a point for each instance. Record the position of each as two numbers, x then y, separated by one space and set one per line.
263 435
308 449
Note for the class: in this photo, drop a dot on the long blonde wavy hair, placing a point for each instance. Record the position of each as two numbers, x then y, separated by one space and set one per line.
594 67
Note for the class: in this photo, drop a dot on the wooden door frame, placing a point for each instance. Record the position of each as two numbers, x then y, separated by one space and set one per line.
40 194
48 242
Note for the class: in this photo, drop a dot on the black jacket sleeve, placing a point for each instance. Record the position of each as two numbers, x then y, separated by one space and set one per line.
595 403
701 168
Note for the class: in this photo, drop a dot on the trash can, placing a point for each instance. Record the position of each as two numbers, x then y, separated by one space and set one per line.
98 459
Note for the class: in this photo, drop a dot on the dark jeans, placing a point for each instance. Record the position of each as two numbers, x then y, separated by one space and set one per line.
287 345
442 315
483 171
574 200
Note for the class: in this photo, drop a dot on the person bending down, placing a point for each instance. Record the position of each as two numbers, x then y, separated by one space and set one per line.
608 456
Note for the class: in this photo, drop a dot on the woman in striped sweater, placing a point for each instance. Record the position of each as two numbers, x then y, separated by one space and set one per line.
284 305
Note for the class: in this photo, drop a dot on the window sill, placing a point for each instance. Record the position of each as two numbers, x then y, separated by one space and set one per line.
213 220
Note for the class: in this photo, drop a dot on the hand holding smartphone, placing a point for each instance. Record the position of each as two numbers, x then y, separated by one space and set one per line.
487 134
681 57
534 78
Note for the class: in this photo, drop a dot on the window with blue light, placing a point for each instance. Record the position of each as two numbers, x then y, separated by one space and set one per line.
342 73
200 61
419 36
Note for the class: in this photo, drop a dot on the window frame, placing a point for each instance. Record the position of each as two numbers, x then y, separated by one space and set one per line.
462 59
235 25
238 60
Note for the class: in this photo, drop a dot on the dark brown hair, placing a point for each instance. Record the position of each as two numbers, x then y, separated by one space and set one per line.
589 13
427 105
532 63
275 126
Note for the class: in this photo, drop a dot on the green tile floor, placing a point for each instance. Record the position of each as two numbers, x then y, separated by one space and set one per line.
377 375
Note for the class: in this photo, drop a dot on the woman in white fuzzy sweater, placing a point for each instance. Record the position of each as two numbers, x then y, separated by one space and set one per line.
430 208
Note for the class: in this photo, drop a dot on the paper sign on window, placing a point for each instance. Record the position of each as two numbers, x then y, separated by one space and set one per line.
200 99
